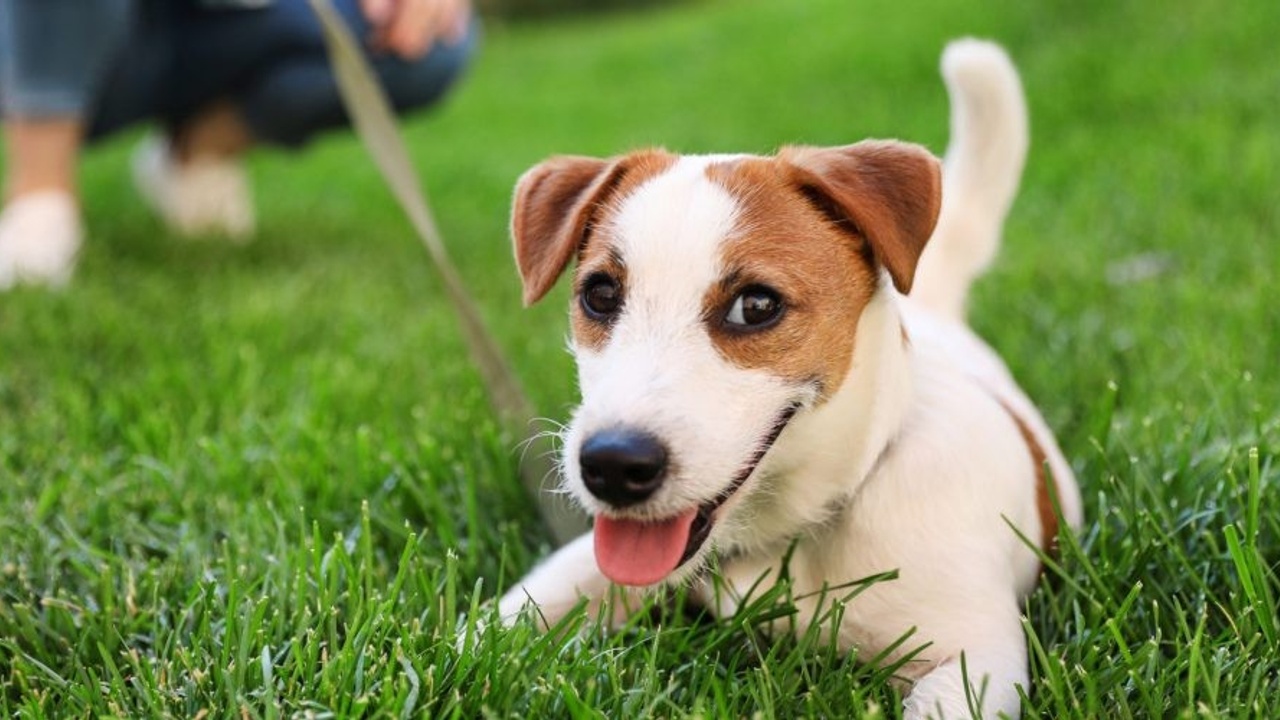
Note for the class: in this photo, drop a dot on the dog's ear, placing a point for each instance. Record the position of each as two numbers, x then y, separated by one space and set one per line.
554 203
890 192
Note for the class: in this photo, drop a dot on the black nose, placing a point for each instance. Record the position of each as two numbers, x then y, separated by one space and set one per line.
622 467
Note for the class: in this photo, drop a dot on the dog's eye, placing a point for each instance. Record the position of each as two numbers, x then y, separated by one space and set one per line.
601 297
754 308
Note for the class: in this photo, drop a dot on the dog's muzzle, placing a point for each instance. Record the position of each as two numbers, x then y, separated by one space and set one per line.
624 467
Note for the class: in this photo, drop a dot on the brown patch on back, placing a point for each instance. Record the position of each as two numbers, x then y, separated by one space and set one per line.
596 251
1044 504
821 270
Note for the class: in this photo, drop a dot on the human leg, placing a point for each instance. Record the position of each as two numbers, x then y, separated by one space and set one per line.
192 176
41 154
284 88
260 76
40 229
51 57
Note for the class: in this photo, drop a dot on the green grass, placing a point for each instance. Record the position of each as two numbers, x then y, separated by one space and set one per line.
264 481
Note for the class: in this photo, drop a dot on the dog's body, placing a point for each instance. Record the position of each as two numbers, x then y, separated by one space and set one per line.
755 379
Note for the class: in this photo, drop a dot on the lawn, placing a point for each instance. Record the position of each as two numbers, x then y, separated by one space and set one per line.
265 481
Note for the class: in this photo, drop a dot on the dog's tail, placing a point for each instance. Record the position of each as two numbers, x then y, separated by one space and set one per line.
980 172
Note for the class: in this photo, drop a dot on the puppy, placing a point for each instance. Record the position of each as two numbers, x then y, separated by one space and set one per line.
773 358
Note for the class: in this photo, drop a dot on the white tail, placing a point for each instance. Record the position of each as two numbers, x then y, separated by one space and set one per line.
980 172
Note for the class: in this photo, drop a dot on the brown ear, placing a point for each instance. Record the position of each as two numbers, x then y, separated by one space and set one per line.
553 205
890 191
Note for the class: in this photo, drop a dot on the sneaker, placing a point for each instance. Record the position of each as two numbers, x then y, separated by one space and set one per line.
202 197
40 234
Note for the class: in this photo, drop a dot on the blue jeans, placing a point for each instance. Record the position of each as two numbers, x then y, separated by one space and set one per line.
114 63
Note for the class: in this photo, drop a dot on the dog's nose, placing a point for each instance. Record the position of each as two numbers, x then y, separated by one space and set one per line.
622 467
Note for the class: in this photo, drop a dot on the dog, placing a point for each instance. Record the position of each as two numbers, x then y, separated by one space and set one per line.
774 362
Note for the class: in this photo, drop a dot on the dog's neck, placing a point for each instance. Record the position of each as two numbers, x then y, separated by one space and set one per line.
830 449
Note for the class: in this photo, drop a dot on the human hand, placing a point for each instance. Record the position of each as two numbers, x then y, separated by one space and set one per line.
409 28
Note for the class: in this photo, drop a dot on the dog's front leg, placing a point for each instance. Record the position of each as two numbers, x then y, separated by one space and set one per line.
980 682
560 582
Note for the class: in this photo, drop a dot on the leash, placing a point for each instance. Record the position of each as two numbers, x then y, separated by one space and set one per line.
370 112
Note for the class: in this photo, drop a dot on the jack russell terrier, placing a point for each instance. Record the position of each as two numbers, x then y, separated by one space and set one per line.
774 361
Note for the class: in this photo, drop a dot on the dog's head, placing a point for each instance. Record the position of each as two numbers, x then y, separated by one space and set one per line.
714 299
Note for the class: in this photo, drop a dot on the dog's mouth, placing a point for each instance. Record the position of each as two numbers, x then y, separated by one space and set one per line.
638 553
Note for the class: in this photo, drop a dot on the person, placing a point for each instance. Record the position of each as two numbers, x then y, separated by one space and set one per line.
218 77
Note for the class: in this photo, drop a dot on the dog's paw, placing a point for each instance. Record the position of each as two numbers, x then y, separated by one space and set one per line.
958 690
512 605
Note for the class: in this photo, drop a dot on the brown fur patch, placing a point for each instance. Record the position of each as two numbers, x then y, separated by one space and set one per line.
890 192
557 204
820 269
1044 505
549 214
596 253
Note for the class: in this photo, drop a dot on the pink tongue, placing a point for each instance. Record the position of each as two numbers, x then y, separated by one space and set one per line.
630 552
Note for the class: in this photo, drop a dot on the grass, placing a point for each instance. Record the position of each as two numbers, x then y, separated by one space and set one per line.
264 481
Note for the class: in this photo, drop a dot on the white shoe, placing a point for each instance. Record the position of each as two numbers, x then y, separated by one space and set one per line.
202 197
40 234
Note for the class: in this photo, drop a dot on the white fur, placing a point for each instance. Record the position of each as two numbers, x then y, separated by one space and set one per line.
983 165
913 464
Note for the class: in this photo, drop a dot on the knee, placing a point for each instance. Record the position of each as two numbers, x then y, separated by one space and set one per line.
298 97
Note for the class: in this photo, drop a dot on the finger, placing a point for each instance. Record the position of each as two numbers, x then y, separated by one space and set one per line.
413 28
377 12
456 18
